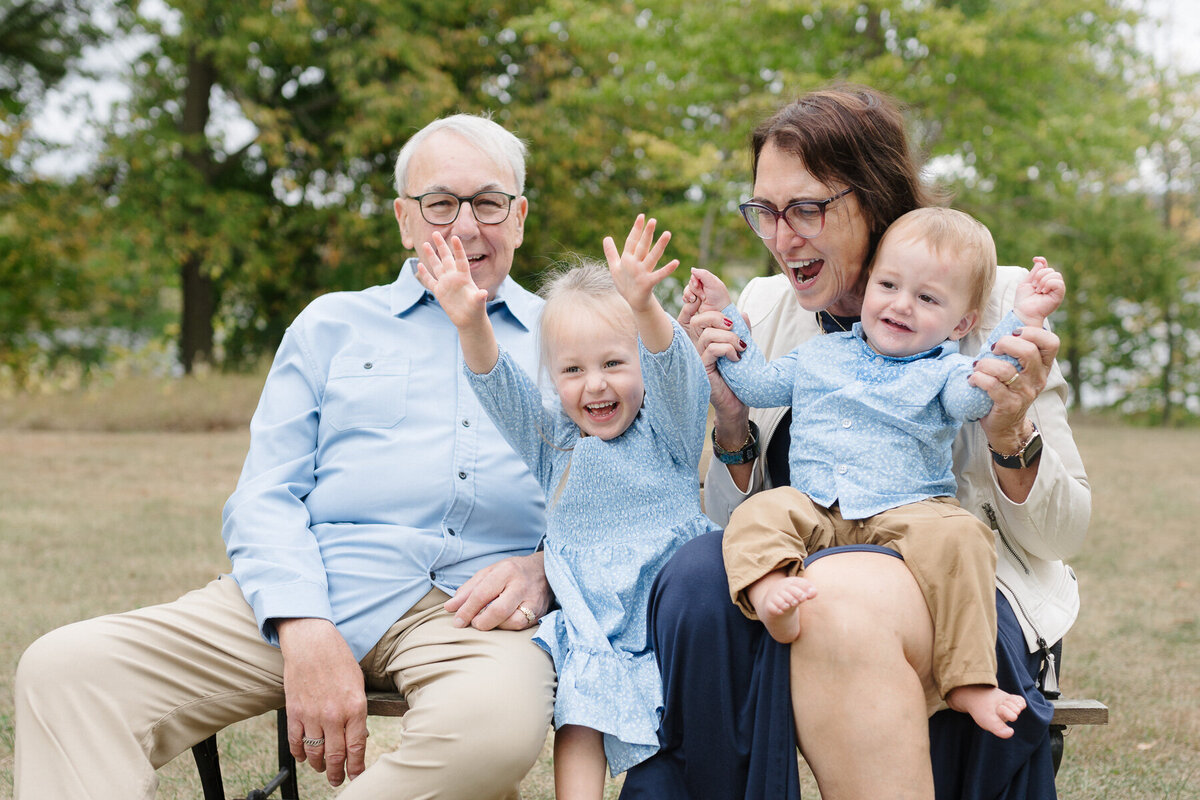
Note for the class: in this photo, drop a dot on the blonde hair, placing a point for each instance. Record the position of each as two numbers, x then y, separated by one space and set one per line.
575 284
956 234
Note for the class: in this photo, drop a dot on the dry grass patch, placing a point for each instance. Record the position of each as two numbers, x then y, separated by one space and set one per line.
203 402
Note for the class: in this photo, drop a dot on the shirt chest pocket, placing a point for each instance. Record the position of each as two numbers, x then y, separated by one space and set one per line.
366 392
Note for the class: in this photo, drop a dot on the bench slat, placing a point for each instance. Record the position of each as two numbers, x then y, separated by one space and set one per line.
386 704
1079 712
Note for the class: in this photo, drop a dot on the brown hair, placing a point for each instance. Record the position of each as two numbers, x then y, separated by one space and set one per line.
851 135
957 235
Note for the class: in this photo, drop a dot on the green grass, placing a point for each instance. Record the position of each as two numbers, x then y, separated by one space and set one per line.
93 522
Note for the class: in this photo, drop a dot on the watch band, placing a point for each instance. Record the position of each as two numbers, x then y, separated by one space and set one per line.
1028 455
748 453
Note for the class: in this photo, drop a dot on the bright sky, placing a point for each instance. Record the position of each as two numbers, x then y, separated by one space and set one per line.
76 101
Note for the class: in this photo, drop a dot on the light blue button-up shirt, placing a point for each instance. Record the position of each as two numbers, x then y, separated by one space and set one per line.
373 474
869 432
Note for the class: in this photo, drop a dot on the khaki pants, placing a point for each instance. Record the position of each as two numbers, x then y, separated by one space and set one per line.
101 704
951 554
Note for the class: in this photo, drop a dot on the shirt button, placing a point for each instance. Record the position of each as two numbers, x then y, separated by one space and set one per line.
842 468
450 531
466 423
846 423
432 575
368 364
462 475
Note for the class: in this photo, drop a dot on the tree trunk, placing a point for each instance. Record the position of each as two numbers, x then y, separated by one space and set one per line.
199 296
1168 365
196 326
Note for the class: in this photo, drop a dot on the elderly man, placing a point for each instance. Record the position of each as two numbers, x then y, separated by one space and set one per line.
374 488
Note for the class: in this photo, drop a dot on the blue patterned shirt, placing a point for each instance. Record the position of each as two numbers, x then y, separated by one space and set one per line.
373 474
869 432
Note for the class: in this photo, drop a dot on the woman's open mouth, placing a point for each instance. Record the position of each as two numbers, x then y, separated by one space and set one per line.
804 273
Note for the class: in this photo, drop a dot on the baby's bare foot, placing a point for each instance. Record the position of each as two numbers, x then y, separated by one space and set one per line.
991 708
779 607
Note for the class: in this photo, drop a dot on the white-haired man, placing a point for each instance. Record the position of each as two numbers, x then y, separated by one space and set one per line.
382 535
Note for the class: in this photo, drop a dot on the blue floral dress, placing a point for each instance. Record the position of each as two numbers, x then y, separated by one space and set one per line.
625 506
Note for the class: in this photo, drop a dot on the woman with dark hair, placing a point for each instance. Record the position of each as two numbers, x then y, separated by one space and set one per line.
831 171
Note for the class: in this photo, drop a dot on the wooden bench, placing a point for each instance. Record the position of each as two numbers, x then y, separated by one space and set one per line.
1067 712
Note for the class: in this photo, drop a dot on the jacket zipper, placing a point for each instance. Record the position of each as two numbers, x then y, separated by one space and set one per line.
995 525
1048 681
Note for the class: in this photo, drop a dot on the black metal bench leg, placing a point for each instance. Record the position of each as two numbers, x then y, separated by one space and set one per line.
208 764
287 762
1056 746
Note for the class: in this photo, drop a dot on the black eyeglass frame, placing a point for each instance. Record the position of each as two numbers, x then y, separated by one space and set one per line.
821 204
463 200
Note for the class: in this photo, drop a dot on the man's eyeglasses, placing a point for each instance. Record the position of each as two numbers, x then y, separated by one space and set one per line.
806 217
441 208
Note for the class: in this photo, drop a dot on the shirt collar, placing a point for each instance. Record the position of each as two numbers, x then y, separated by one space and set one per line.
948 346
522 304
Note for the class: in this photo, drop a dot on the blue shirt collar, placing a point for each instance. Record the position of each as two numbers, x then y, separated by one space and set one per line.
948 346
524 305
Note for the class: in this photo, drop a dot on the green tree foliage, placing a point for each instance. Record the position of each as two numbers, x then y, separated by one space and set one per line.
39 41
1038 113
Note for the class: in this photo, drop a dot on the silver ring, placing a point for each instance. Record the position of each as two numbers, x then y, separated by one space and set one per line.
529 615
310 742
1013 379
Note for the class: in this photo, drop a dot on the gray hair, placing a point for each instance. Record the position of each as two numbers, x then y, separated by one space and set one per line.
489 137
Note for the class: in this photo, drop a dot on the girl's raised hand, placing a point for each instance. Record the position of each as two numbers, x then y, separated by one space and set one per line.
633 270
446 273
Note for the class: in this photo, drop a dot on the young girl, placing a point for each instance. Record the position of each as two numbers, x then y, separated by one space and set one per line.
619 465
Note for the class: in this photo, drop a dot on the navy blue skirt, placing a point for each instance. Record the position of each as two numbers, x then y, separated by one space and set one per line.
727 731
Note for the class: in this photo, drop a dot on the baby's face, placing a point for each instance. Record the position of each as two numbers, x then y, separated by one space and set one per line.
597 373
915 299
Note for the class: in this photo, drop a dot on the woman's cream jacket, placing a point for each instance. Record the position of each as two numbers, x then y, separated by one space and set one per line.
1032 538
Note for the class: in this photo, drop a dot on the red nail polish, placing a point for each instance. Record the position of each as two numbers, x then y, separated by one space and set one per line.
728 322
743 344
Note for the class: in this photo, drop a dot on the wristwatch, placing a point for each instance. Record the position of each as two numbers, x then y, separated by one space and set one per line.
748 453
1029 453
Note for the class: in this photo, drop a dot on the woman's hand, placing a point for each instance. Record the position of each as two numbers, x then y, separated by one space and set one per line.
711 332
1013 391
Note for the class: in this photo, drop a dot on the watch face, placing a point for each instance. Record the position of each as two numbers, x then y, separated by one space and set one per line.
1032 450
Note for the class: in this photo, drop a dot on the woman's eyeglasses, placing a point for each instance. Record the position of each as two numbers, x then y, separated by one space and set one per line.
806 217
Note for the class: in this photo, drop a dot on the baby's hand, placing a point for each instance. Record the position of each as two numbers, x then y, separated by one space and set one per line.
446 273
1039 294
708 289
633 270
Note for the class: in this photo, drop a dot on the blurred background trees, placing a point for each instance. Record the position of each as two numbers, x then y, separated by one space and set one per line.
247 168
